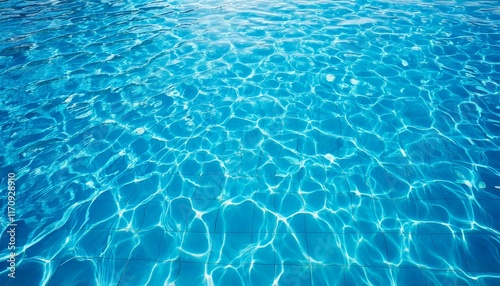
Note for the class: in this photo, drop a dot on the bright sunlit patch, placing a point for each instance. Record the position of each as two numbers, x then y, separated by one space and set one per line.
199 215
69 99
459 174
330 77
139 131
403 152
330 158
209 279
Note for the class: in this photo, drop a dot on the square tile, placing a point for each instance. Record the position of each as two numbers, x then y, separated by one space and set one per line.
228 275
148 244
328 221
92 242
251 160
209 187
291 249
327 276
316 200
182 185
139 272
465 212
52 245
264 252
130 218
144 189
153 215
355 275
410 275
102 214
293 274
419 210
191 274
179 214
195 247
170 247
30 271
367 250
267 168
264 220
262 274
190 167
231 248
401 250
237 217
449 278
241 186
325 249
374 215
288 204
78 270
279 184
489 211
478 251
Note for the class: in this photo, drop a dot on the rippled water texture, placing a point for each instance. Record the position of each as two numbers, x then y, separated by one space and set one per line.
252 142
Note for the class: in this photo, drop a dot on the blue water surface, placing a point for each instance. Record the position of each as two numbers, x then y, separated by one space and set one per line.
251 142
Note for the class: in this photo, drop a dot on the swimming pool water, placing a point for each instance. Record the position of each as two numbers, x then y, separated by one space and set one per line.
251 142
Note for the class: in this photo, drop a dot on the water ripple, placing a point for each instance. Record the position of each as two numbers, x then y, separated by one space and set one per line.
252 143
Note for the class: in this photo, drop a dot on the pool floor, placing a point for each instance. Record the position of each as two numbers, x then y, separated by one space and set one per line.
250 142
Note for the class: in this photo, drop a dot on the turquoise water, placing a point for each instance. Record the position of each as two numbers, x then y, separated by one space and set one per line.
251 142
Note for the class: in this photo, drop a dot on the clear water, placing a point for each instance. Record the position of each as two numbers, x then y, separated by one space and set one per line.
251 142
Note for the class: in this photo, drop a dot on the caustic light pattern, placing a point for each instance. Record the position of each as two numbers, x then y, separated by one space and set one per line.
251 142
